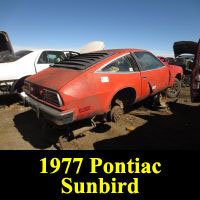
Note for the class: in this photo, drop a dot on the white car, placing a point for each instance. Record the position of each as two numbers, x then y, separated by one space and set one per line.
15 67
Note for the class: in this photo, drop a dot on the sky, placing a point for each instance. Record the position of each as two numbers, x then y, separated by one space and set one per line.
153 25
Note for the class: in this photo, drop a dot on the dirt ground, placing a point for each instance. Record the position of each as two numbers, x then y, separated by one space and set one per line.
142 128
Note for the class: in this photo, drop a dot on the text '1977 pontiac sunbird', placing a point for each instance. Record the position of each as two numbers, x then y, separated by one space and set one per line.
98 83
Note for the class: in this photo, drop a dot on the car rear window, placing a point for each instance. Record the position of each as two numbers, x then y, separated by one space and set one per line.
22 53
83 61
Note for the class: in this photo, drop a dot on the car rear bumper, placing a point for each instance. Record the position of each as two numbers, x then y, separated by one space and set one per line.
50 114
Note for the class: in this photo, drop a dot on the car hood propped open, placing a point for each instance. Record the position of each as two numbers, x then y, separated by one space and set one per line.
6 49
184 47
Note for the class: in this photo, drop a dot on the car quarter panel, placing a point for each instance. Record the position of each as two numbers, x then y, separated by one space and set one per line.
92 93
17 69
110 84
79 96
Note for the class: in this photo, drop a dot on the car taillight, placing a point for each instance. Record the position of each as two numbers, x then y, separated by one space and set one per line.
52 97
43 94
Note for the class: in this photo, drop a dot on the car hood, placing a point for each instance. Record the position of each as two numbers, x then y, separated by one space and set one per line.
181 47
6 49
54 78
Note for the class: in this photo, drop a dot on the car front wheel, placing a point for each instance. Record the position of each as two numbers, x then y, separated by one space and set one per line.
174 91
116 113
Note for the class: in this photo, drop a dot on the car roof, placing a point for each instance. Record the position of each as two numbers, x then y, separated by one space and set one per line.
126 50
39 50
86 60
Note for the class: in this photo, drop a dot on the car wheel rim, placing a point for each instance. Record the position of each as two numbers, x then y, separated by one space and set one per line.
174 89
118 114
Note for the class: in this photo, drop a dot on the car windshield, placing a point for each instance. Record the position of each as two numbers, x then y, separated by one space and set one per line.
22 53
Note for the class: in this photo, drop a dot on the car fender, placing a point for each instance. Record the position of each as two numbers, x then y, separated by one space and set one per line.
174 71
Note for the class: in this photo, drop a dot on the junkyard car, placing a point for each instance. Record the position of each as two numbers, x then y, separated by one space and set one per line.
15 67
163 59
97 83
193 48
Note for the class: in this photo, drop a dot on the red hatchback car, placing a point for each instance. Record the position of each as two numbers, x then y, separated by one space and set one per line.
98 83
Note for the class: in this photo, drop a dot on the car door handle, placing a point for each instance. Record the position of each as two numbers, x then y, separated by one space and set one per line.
144 76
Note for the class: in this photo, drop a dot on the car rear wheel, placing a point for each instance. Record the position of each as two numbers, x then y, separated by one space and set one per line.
116 113
174 91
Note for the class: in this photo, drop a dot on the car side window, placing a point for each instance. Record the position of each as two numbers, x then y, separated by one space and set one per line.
147 61
120 65
51 57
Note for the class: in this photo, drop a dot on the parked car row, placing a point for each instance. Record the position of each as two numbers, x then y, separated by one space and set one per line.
64 87
16 67
192 48
187 55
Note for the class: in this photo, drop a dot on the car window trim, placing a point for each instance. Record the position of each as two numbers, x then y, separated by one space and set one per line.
39 58
133 58
98 71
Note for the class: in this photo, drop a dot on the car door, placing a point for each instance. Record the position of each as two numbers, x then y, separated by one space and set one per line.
46 58
154 74
195 78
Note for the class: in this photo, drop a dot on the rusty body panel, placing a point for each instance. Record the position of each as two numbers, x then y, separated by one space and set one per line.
57 77
89 92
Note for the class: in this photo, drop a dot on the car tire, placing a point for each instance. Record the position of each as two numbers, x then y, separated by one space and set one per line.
116 113
17 85
174 91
